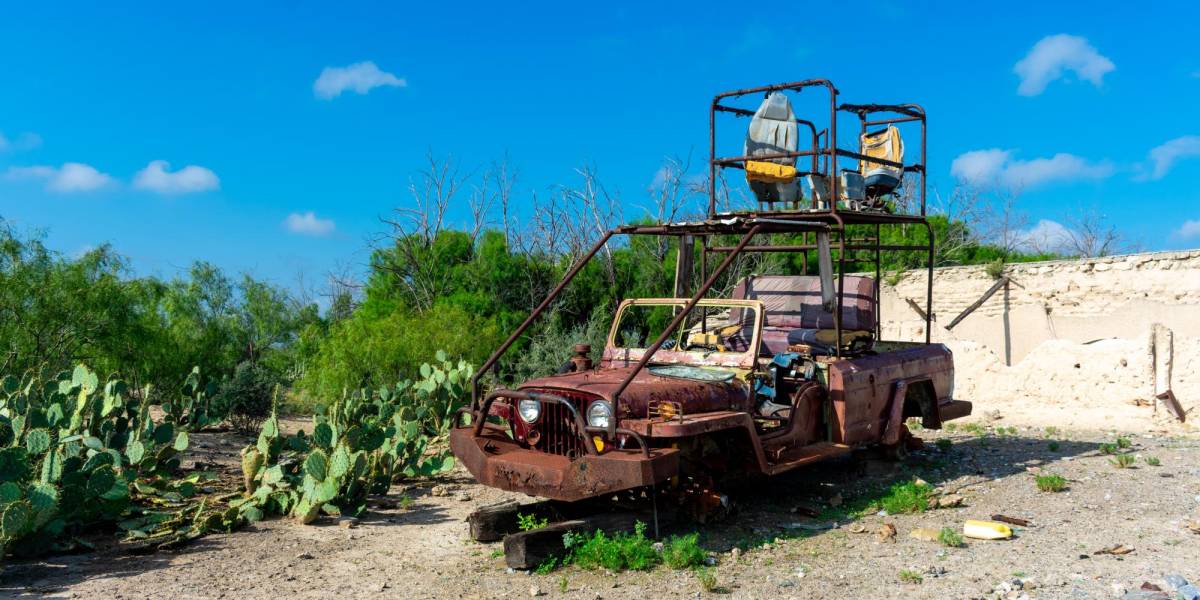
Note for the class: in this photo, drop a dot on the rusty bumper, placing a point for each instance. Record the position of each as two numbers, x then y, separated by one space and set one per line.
497 461
954 409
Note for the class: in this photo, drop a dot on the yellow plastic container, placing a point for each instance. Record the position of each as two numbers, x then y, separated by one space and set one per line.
986 530
769 172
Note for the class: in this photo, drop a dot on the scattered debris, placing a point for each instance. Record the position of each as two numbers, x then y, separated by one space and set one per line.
1013 520
924 533
858 528
1172 405
1193 526
439 490
805 510
535 591
347 522
949 501
464 497
1118 550
811 526
986 530
886 533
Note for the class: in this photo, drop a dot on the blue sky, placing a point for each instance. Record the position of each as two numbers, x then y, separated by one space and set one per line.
1100 114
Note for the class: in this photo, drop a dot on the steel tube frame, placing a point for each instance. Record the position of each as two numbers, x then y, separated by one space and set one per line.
670 328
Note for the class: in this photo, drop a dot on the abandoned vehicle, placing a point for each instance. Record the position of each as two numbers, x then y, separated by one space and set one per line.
785 371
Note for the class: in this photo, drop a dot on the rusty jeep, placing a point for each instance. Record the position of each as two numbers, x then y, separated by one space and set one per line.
785 371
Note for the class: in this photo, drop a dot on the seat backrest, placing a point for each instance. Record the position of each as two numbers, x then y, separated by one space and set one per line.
794 301
773 129
885 144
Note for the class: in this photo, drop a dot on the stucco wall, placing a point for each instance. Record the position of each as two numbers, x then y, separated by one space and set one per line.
1106 333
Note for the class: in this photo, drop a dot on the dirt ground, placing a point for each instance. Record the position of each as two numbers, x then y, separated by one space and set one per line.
766 550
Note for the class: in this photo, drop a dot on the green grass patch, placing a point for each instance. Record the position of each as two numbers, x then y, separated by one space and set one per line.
976 429
911 576
707 578
907 497
1152 461
684 551
1123 443
1051 431
950 538
530 522
1108 448
1122 461
1051 482
548 566
631 551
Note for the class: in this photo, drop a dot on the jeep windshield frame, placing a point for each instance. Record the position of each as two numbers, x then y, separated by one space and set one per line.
670 353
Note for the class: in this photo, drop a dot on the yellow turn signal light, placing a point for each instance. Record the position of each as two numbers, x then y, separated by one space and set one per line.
599 443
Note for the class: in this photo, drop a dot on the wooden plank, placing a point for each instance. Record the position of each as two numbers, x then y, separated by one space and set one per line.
984 298
490 523
1168 400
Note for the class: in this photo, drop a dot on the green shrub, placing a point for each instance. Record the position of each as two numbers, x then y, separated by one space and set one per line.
1108 448
995 269
246 397
1152 461
951 538
1124 443
944 444
1051 482
911 576
682 552
707 578
1053 446
907 497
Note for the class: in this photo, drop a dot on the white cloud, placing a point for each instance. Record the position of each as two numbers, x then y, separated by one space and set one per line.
1166 155
979 166
309 224
1045 236
69 178
25 141
156 178
1053 56
996 166
359 77
1189 230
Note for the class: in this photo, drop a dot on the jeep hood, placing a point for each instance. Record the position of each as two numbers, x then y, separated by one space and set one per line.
694 395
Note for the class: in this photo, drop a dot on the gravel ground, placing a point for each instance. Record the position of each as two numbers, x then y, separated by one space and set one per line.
767 549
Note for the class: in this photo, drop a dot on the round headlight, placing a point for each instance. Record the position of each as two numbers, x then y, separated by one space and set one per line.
529 410
599 413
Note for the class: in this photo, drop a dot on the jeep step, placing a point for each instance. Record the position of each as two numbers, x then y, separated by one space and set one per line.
804 455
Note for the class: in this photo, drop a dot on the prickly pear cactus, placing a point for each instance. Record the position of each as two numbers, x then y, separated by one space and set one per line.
75 453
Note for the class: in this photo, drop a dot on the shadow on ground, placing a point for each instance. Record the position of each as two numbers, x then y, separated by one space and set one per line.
776 507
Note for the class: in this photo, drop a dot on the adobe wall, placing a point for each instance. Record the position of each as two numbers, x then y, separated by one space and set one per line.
1092 340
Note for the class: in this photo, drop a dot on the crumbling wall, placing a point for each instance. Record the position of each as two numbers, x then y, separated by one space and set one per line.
1106 333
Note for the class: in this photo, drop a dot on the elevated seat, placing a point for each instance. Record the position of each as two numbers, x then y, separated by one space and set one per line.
793 313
